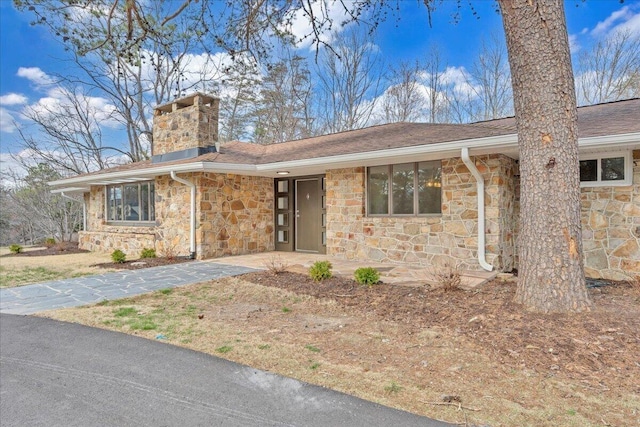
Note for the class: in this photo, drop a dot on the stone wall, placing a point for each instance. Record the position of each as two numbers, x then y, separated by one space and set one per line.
185 126
101 237
611 229
428 240
235 214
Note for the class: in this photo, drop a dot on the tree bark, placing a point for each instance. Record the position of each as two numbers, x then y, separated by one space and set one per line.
551 271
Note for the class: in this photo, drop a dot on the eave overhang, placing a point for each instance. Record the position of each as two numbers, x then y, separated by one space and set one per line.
503 144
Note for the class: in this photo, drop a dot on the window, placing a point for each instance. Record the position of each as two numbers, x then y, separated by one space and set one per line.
609 170
404 189
131 202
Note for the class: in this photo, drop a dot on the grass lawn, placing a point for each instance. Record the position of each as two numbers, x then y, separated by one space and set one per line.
24 270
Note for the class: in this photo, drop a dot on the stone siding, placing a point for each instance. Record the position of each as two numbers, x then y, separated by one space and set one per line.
101 237
234 215
427 240
185 127
611 228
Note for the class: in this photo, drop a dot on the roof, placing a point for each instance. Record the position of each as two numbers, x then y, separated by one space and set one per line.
599 126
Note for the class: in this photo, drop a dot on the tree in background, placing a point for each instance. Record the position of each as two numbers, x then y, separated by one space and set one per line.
404 100
66 133
283 110
349 79
610 70
37 213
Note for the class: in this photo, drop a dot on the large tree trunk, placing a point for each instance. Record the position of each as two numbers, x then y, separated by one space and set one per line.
551 271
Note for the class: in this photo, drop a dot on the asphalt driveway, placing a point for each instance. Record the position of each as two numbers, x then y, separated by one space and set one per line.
62 374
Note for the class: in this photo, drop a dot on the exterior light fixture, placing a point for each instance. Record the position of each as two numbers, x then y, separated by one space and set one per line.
282 172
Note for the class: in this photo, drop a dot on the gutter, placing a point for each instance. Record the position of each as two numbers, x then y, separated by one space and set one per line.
480 190
192 222
84 209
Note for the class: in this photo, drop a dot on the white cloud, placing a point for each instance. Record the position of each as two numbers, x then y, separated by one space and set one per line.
7 121
35 75
624 19
13 99
300 25
11 168
459 80
574 45
61 100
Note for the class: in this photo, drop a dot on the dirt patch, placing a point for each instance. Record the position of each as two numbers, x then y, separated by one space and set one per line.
469 357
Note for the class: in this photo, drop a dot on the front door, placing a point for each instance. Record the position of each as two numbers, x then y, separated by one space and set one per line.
308 215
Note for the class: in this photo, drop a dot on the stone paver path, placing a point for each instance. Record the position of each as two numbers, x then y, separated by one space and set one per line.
92 289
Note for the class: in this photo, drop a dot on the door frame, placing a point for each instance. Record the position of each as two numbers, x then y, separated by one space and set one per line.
290 230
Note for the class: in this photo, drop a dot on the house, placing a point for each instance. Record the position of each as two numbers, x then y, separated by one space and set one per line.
401 192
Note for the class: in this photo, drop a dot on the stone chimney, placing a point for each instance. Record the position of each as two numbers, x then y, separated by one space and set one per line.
185 128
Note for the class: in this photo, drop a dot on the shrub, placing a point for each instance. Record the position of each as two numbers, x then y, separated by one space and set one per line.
320 270
448 277
148 253
15 249
368 276
49 242
118 256
276 265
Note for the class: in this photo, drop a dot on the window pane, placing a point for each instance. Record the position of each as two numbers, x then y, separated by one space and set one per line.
283 186
144 202
114 204
131 206
378 189
283 202
613 169
429 187
283 219
402 192
588 170
283 236
152 202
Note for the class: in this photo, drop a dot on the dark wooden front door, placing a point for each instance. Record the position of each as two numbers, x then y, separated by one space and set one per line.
308 215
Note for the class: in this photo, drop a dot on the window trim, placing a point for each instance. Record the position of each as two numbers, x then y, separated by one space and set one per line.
628 169
416 195
137 223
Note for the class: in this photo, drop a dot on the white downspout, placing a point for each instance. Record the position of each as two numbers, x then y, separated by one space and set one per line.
192 222
84 209
480 190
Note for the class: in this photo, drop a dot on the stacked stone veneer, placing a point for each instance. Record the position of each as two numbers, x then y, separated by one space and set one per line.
234 215
187 126
611 228
428 240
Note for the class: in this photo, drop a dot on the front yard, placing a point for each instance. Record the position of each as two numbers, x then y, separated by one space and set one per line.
469 357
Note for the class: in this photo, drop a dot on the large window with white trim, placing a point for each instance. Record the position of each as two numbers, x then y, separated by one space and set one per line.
404 189
131 202
606 169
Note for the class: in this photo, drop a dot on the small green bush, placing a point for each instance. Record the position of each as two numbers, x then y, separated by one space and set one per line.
15 249
320 270
368 276
49 242
118 256
148 253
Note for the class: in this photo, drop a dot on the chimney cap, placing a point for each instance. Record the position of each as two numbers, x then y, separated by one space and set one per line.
187 101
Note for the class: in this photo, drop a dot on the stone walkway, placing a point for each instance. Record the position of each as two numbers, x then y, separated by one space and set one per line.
92 289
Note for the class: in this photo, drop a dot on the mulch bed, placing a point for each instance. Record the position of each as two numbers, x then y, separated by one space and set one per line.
142 263
599 347
57 249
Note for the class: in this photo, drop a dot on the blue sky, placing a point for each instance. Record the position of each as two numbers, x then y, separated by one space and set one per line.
29 54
